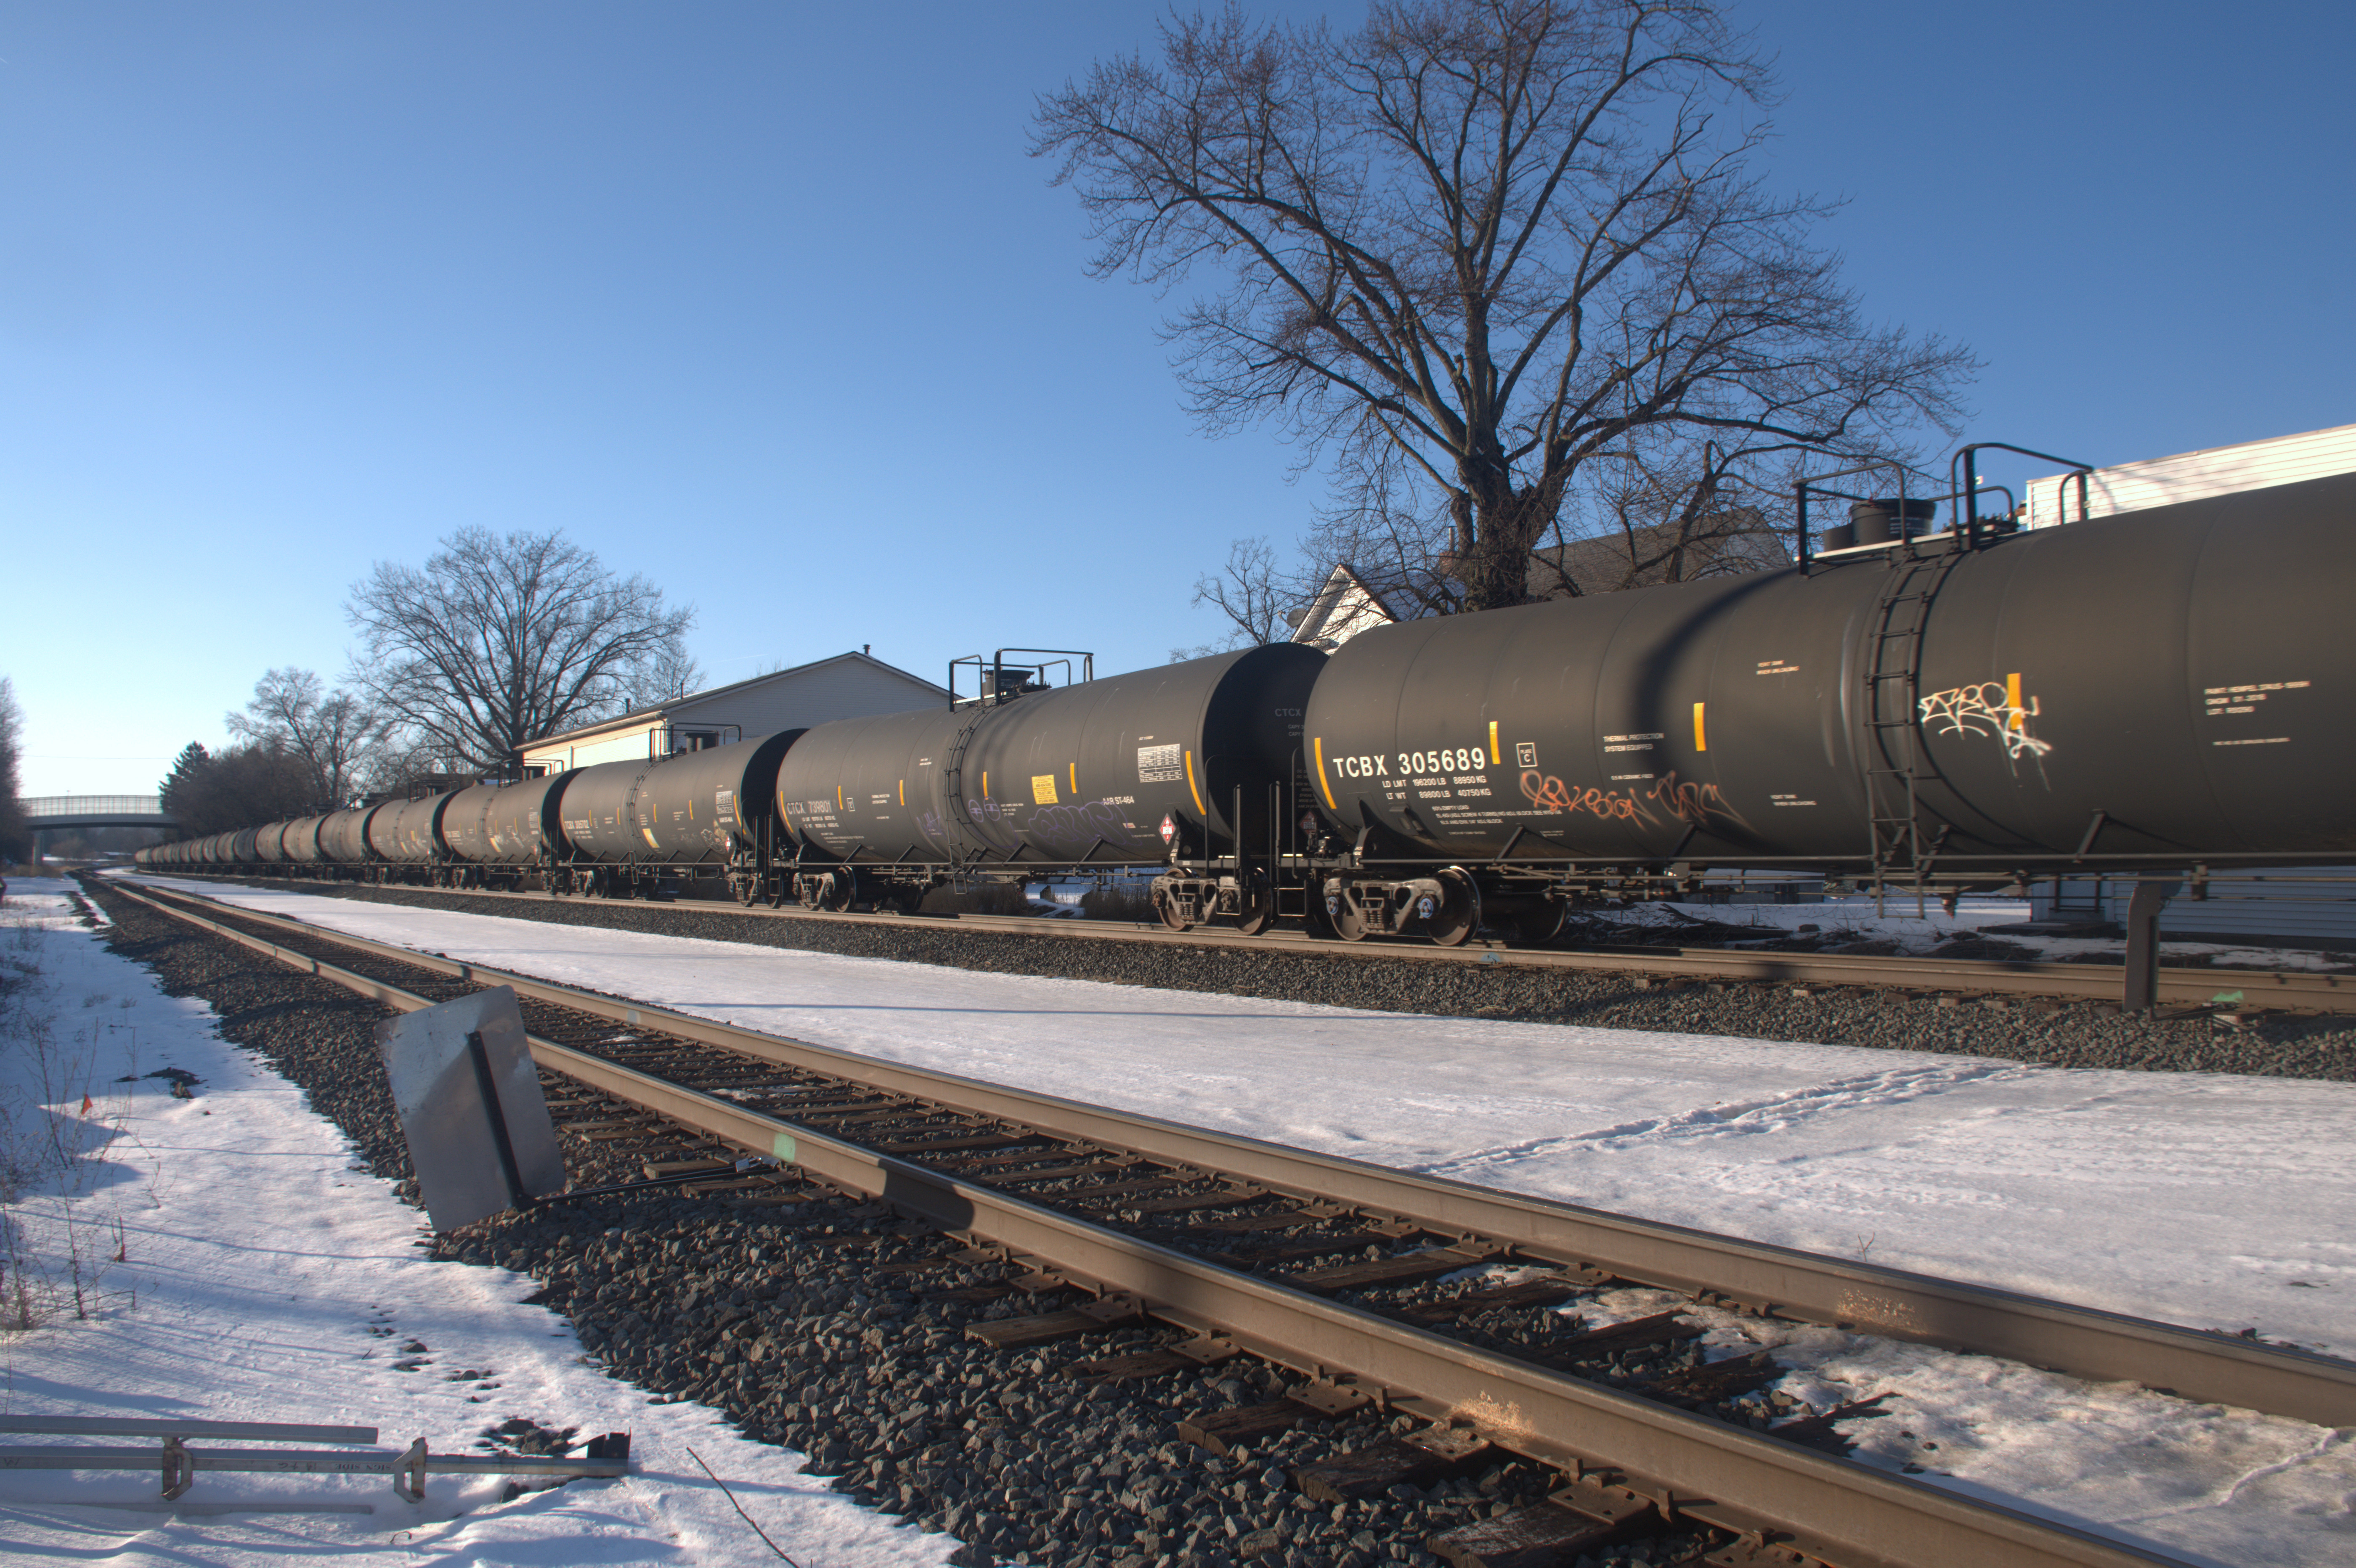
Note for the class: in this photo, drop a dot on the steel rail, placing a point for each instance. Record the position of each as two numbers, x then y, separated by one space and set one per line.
1691 1467
2093 982
2082 1341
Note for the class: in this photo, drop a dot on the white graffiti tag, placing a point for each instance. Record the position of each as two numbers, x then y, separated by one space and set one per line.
1993 708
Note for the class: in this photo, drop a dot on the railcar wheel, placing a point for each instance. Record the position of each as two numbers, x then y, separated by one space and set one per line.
837 890
1459 915
1537 927
1258 911
1168 908
1350 922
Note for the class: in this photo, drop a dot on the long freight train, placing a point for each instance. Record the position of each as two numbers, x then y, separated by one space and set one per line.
2166 690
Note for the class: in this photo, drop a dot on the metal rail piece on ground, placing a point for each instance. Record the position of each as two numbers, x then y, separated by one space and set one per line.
178 1463
1840 1510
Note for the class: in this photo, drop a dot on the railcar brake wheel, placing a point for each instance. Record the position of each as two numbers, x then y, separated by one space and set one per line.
1459 915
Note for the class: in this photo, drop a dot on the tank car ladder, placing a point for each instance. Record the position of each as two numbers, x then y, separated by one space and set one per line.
1893 771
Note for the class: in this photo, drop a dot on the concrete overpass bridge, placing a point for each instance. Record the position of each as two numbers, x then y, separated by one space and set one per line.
60 813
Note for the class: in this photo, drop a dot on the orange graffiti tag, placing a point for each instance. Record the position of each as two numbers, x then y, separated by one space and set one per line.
1690 802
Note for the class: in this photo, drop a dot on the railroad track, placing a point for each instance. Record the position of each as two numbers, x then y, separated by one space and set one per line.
1232 1248
2285 990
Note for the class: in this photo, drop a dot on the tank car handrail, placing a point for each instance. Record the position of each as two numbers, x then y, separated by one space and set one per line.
1968 458
1874 465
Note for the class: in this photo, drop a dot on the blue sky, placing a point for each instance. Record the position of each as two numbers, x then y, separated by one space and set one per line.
766 302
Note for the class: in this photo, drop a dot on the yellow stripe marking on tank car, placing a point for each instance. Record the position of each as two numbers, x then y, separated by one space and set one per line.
1701 735
1494 755
904 792
985 784
1076 781
1192 788
2012 702
838 797
1319 743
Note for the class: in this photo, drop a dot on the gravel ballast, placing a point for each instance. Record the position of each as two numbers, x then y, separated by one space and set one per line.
775 1315
2055 1033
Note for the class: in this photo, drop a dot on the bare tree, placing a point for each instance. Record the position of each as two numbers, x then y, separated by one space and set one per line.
333 733
15 837
244 786
1474 248
668 673
1253 592
502 640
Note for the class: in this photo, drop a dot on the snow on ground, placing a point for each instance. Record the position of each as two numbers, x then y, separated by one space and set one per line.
2209 1200
1854 919
260 1278
2154 1193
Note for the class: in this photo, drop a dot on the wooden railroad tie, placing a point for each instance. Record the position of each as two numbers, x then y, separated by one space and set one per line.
1416 1460
1575 1517
1548 1291
1090 1318
1410 1269
1193 1355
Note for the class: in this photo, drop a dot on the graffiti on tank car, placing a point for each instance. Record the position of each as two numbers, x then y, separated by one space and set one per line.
1550 793
1993 708
1078 820
1684 801
1694 803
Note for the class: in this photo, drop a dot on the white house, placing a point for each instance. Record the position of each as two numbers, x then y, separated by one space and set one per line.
848 686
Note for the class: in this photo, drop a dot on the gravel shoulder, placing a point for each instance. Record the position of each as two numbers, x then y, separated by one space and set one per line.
777 1317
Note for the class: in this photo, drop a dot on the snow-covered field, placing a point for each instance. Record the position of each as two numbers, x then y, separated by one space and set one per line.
2213 1201
259 1279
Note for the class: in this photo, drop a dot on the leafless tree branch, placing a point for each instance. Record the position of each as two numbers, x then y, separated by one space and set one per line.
502 640
1479 248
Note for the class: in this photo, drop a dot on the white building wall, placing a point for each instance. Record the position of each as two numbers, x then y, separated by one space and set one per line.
849 687
612 746
2192 475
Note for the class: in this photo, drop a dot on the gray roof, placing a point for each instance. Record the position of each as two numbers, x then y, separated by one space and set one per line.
697 699
1729 545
